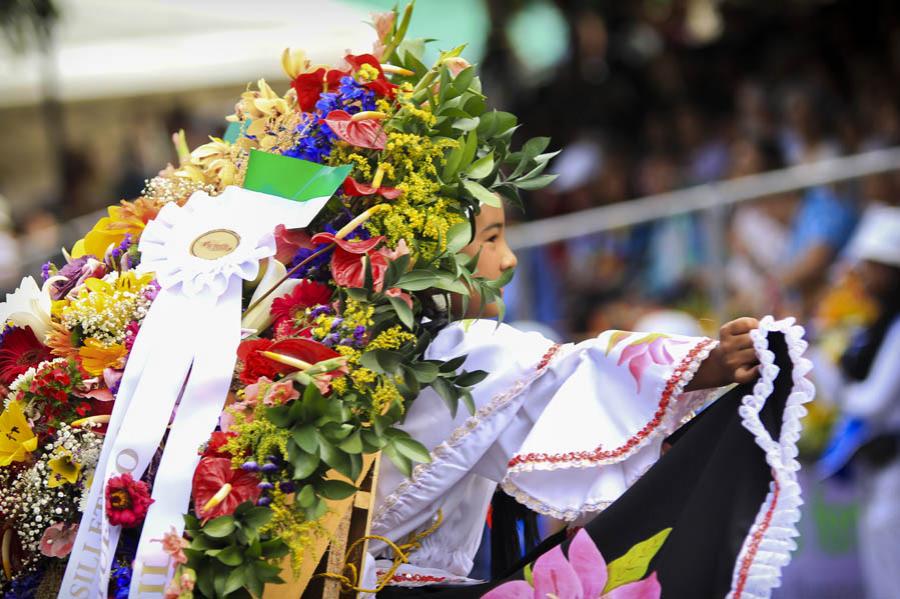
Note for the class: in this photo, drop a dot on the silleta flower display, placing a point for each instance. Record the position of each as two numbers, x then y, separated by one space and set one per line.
361 180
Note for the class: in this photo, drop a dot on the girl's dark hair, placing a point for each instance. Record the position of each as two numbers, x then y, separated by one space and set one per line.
864 346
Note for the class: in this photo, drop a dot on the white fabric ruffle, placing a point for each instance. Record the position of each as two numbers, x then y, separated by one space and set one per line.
768 546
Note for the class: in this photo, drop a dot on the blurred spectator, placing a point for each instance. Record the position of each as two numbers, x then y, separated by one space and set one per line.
9 250
868 391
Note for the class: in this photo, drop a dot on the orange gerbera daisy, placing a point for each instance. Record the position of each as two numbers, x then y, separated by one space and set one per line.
59 340
95 357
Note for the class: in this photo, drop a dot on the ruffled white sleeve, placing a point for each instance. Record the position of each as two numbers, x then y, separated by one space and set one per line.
565 429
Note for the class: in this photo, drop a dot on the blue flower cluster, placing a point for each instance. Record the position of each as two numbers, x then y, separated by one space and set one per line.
121 576
316 138
24 587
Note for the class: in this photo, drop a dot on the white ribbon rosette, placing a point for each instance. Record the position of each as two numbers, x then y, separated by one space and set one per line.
182 361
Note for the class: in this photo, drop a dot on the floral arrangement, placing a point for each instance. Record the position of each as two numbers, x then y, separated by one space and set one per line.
333 343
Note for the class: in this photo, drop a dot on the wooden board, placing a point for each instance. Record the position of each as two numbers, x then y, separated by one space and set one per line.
345 521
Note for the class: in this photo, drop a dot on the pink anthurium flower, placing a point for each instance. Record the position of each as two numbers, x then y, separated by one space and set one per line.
583 576
367 133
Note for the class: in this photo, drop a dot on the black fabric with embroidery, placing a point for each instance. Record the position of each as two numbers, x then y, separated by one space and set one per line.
708 488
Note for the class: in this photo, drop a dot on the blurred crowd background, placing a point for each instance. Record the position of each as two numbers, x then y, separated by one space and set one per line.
643 97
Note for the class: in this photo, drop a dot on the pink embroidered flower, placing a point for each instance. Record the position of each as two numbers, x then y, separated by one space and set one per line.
58 539
174 544
583 576
649 349
127 501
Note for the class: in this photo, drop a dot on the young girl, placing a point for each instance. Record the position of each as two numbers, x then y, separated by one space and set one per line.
564 429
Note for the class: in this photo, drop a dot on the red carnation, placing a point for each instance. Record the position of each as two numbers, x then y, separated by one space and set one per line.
253 364
211 476
380 85
306 294
19 351
127 501
217 440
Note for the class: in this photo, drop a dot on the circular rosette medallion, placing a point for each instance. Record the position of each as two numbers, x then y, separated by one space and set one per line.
198 247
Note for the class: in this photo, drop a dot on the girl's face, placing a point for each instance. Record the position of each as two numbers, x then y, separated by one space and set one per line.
495 258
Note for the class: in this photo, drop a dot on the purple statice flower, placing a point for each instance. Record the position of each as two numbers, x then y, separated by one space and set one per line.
75 273
319 310
48 270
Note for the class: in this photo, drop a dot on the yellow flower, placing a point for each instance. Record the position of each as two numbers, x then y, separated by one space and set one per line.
64 470
17 440
127 218
95 357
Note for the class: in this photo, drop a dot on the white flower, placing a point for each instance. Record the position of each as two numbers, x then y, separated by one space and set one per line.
28 306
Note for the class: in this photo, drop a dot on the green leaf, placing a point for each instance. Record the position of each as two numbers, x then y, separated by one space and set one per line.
306 496
335 489
219 527
535 146
467 124
403 463
469 379
357 293
633 565
417 280
231 556
463 79
234 581
334 457
481 193
495 123
352 444
425 372
304 464
279 416
257 517
381 360
411 449
274 549
536 183
467 399
469 150
459 236
529 575
453 159
267 572
452 365
404 312
482 167
305 437
448 393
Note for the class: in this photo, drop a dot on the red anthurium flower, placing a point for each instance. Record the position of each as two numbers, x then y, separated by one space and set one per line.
19 351
308 87
348 269
127 501
354 188
214 473
252 364
333 78
354 246
380 85
306 294
363 134
303 349
288 241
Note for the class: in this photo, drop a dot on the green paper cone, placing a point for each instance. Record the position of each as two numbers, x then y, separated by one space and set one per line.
292 178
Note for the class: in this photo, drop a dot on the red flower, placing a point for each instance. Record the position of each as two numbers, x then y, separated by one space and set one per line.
216 441
308 87
214 473
19 351
381 85
306 294
348 260
367 133
302 349
254 365
127 501
354 188
288 241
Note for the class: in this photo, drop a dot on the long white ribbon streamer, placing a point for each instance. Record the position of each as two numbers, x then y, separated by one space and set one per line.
186 347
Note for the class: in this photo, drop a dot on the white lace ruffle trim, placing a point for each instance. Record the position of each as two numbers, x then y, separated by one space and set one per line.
768 546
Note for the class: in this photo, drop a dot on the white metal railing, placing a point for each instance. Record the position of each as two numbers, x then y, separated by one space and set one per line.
700 197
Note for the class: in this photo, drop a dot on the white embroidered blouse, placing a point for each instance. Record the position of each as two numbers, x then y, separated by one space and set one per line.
565 429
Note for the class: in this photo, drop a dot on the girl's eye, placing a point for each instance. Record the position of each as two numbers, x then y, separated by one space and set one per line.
493 238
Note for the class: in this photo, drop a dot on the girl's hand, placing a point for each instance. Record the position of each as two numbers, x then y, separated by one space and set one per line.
737 356
733 361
